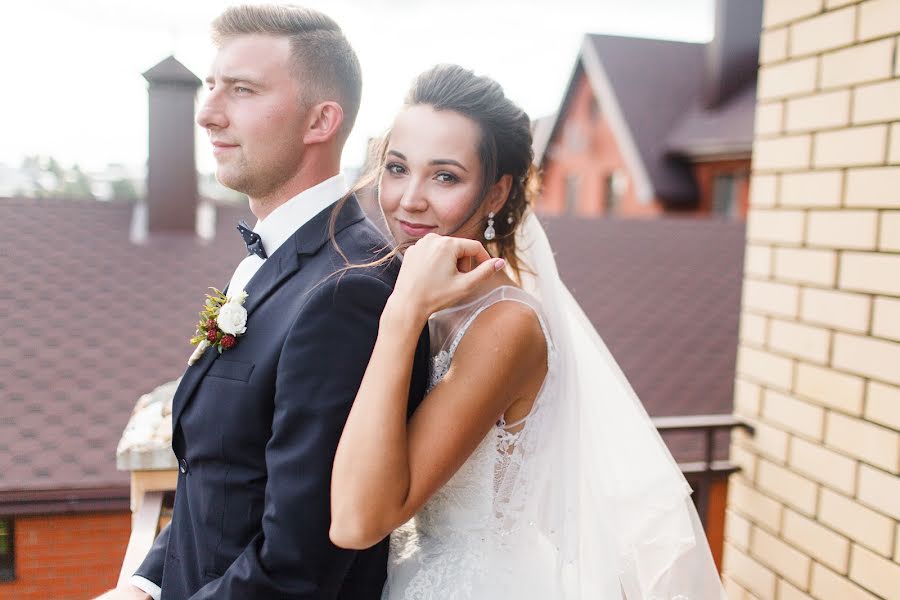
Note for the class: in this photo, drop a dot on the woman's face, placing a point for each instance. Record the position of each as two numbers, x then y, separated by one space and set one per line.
431 178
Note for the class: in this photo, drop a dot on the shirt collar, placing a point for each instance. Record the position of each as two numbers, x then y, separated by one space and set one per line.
285 220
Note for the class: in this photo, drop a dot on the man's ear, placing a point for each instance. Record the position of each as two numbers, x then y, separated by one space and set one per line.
325 122
499 193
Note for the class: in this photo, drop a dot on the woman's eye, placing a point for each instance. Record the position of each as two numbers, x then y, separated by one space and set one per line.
445 177
394 168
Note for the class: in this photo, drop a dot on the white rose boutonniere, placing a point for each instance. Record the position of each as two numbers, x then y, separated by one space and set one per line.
222 320
232 318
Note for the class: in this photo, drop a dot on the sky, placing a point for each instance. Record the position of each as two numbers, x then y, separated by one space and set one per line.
71 70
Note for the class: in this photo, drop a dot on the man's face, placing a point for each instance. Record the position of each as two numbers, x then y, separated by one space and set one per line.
254 114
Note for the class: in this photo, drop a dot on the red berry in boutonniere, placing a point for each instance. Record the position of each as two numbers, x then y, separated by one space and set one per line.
222 321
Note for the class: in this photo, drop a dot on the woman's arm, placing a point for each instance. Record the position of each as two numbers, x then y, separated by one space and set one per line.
385 468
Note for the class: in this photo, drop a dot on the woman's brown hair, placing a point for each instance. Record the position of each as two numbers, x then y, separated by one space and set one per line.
504 148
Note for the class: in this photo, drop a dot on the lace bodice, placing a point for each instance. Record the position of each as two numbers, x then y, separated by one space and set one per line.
440 553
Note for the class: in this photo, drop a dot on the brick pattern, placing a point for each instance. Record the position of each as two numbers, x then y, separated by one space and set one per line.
814 512
67 556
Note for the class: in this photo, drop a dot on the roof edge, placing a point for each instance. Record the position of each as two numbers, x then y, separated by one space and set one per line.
590 64
111 498
713 152
609 104
561 109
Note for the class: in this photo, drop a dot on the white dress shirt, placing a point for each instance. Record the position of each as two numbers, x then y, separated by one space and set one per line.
274 230
284 221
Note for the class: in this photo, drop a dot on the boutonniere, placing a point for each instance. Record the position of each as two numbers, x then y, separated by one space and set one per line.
222 320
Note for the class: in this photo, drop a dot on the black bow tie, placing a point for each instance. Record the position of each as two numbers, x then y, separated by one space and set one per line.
252 239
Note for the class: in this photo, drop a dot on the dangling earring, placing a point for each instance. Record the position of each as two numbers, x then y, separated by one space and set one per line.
509 219
489 233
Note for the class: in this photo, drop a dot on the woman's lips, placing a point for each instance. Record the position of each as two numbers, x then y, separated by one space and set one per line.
415 229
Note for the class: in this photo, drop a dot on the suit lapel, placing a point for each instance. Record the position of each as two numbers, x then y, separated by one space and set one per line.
307 240
286 260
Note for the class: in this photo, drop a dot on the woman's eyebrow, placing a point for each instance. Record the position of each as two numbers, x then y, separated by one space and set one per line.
448 161
436 161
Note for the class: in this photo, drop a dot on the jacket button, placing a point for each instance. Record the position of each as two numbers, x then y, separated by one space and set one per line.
183 466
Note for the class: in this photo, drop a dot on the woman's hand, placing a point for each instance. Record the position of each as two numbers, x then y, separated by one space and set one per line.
439 270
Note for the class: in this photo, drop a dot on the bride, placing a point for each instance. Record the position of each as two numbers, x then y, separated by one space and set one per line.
530 470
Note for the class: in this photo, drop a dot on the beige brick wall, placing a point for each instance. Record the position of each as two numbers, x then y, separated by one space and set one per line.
814 512
813 188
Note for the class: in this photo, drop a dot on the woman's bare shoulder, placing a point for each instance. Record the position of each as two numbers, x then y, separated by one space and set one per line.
507 327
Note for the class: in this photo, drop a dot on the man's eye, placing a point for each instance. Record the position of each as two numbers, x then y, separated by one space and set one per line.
242 90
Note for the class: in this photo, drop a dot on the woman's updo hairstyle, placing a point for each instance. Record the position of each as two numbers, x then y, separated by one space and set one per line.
504 148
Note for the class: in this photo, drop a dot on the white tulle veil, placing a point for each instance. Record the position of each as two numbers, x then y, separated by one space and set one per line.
591 478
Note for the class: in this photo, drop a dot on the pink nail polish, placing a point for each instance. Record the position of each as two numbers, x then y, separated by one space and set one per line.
499 264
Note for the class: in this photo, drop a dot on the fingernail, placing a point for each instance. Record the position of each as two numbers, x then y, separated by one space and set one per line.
499 264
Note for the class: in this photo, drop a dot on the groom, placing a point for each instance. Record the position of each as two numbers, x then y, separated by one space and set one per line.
255 429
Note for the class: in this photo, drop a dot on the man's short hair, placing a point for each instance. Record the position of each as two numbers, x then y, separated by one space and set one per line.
325 63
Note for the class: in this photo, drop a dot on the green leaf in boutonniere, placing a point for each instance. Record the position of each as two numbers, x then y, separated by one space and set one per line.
222 321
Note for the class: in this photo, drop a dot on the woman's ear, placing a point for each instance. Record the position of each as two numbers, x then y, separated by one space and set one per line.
325 122
499 194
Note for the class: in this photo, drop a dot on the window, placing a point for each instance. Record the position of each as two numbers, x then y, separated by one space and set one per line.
725 195
7 564
594 109
572 189
614 187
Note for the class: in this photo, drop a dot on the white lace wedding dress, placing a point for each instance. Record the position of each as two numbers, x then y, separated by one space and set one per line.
580 501
454 547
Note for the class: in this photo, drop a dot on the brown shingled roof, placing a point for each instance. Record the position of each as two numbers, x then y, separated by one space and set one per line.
719 131
664 294
92 321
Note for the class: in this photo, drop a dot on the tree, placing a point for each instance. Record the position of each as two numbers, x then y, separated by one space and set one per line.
123 189
77 184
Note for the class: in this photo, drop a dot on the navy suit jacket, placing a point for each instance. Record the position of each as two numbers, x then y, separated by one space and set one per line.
255 429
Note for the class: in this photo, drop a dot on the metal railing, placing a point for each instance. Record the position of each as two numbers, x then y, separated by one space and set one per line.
702 475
